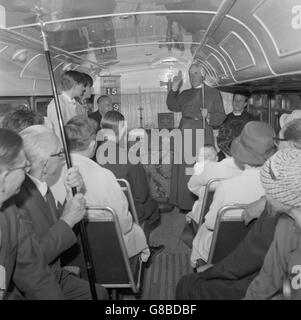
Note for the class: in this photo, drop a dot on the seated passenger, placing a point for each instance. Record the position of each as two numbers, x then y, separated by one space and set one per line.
20 119
254 145
234 122
146 205
73 84
230 278
100 185
53 225
22 262
281 176
226 168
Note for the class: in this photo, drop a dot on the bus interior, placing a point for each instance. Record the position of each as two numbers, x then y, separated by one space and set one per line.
132 49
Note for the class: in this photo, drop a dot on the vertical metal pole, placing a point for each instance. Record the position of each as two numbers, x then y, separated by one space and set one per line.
140 107
269 102
82 230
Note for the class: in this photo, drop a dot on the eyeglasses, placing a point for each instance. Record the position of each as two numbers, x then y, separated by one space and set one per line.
59 154
277 140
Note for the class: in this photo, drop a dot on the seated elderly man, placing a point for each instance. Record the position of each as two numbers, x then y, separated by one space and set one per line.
22 262
100 185
53 227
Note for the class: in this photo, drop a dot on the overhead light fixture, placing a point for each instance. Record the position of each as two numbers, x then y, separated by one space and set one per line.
168 60
20 55
125 17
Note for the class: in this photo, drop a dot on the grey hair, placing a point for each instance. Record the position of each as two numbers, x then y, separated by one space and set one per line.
39 143
292 132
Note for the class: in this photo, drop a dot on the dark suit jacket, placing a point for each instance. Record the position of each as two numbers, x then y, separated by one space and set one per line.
97 117
55 236
23 259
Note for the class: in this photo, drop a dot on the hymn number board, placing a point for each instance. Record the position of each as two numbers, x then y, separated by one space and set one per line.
110 86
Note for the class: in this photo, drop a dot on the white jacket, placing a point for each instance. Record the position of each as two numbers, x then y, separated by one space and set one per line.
244 188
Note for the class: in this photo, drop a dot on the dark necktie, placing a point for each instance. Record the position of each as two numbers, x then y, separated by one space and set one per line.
52 206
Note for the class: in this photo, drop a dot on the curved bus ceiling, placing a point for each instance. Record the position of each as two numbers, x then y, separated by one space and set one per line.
254 44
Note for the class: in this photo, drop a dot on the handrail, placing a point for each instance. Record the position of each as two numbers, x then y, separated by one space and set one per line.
205 199
131 199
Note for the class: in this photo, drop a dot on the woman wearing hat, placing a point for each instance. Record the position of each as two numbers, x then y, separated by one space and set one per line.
281 179
250 150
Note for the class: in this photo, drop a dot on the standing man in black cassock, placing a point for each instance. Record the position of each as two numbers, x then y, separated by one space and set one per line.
190 103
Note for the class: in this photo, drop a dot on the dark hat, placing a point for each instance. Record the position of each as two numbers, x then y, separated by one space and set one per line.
255 144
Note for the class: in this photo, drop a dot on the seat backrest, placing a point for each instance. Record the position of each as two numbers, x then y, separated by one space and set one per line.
188 233
113 268
126 188
229 230
190 230
207 199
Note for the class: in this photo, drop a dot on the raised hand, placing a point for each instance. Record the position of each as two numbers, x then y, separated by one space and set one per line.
177 81
205 113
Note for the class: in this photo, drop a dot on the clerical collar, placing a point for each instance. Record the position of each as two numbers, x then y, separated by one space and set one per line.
198 87
238 113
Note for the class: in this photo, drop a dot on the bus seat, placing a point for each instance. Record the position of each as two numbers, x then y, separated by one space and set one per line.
229 230
113 268
126 188
207 199
191 229
189 232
